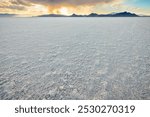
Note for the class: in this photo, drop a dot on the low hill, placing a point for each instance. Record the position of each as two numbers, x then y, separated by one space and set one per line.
121 14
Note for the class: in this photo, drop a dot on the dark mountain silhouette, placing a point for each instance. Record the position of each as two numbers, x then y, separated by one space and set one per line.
7 15
52 15
75 15
124 14
93 15
121 14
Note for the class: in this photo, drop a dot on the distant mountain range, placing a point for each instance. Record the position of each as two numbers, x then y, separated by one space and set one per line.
7 15
121 14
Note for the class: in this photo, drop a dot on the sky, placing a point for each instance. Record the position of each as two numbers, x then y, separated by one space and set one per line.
68 7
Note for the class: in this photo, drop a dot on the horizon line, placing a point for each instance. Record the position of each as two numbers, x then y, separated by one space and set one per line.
78 15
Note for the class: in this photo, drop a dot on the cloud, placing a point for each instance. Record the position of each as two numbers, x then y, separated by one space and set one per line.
54 6
22 7
71 2
73 6
20 2
38 7
13 4
13 7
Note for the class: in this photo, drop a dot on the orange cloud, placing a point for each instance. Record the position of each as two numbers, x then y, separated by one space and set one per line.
53 6
67 7
73 6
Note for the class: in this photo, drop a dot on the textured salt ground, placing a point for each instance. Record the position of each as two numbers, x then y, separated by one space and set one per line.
74 58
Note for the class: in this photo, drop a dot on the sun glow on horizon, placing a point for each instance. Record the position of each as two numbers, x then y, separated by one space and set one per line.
64 11
69 7
41 8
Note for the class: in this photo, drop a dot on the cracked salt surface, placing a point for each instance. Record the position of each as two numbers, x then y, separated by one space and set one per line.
74 58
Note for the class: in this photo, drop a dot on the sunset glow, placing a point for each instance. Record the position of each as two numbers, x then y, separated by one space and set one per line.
68 7
64 11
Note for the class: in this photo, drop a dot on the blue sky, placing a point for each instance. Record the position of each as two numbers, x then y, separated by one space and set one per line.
139 3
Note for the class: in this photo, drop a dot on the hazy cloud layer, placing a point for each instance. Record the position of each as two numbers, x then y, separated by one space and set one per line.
71 2
74 6
14 4
54 6
52 3
37 7
21 2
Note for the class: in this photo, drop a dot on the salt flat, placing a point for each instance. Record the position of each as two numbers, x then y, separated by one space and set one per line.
75 58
